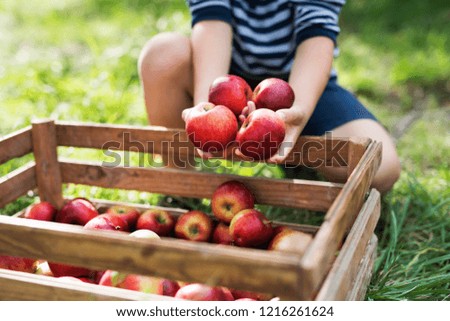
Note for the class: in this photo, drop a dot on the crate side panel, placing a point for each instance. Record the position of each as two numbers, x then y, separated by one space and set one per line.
345 268
317 259
174 259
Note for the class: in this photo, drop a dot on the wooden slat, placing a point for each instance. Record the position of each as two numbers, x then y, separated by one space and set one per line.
292 193
16 144
251 269
17 183
48 176
309 150
21 286
362 279
338 220
357 147
345 269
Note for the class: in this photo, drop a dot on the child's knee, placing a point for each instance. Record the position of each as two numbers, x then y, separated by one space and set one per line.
164 54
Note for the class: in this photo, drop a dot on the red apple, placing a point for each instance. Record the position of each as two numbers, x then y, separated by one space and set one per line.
16 263
289 240
221 234
231 91
250 228
274 94
228 296
60 269
107 221
78 211
157 220
202 292
261 134
169 287
43 211
230 198
146 284
97 276
128 213
194 226
210 127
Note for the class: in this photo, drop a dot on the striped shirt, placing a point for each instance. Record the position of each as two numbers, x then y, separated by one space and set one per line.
266 33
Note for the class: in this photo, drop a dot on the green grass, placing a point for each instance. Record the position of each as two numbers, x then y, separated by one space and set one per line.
76 60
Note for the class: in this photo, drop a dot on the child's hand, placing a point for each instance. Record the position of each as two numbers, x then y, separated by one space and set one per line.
295 120
185 113
246 111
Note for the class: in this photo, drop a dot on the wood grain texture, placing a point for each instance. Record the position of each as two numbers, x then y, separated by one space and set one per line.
20 286
17 183
356 149
48 176
311 151
365 270
251 269
345 269
16 144
317 259
291 193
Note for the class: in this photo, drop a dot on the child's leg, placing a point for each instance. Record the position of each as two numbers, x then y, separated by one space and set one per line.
165 70
389 169
340 112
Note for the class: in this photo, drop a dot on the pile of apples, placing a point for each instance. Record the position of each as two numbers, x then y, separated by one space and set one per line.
221 122
235 222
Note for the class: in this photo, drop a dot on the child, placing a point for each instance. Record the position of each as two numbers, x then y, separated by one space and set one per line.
257 39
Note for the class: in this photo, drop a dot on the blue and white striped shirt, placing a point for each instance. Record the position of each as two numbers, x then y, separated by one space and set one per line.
266 33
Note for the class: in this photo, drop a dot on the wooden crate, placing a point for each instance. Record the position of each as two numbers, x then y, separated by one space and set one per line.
336 265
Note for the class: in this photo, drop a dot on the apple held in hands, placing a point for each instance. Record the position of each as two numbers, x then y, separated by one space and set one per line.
261 134
211 128
194 226
43 211
250 228
274 94
78 211
157 220
127 213
230 91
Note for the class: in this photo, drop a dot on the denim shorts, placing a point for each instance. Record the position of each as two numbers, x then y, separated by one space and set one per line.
336 107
